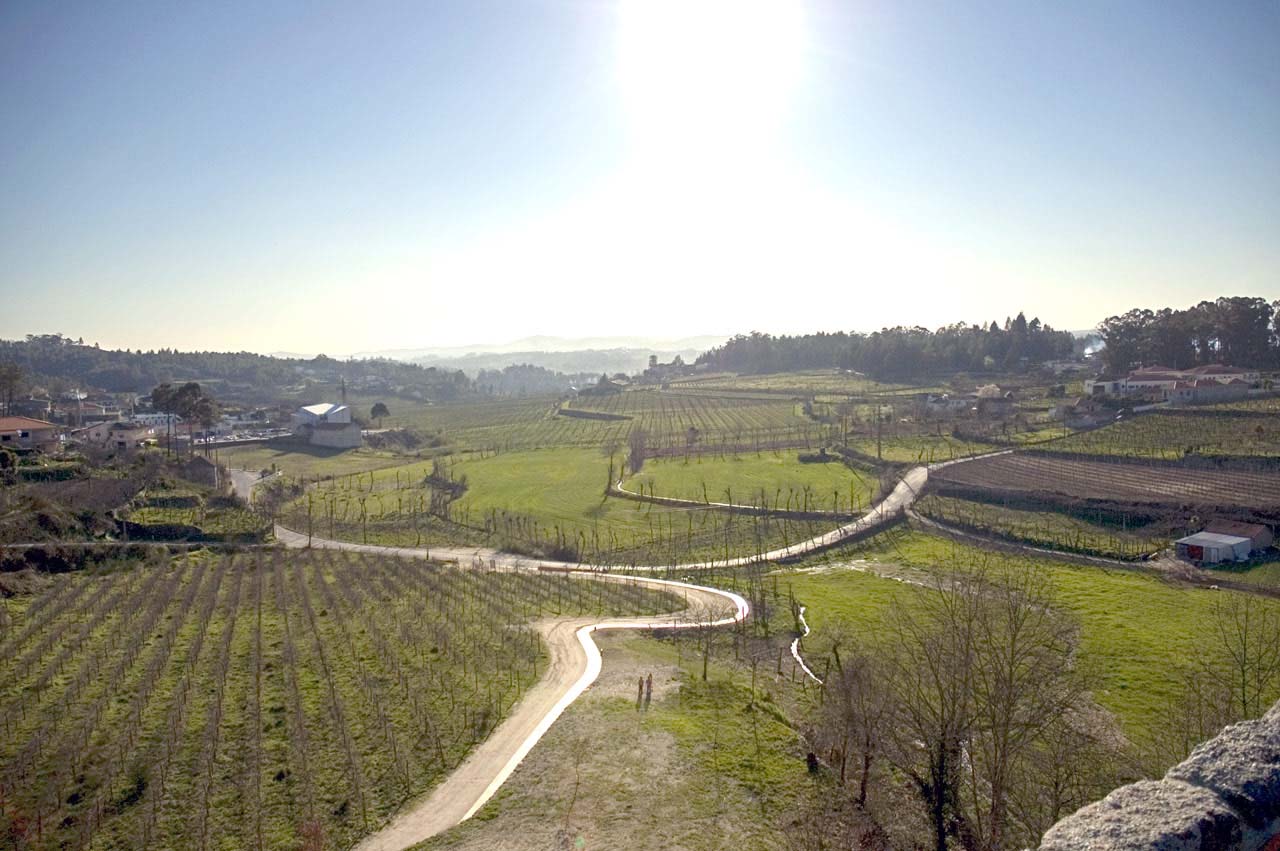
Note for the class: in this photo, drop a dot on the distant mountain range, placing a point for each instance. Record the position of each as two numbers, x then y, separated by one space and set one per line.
551 344
563 354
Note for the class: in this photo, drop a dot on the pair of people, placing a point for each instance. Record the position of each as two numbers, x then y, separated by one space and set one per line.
644 692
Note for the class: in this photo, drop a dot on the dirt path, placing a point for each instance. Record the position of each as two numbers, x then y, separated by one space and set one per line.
242 482
882 513
575 658
575 664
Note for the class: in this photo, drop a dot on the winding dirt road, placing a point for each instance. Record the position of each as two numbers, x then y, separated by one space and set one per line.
575 665
575 658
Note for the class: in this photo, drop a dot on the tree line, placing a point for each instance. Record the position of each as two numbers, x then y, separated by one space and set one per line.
896 353
47 360
1238 330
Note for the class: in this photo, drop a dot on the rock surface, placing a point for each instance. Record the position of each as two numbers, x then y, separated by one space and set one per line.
1226 795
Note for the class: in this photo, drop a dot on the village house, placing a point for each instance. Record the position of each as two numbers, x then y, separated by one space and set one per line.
156 419
603 387
1201 385
1206 391
327 424
27 434
1084 412
119 435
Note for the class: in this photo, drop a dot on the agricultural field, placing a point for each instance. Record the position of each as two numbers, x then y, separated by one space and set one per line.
777 479
260 701
666 418
232 522
1116 482
302 461
1173 435
549 502
1136 629
1050 529
799 383
917 448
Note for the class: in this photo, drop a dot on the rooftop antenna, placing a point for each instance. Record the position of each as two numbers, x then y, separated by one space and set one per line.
344 390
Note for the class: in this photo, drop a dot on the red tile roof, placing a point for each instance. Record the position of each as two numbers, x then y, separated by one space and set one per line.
23 424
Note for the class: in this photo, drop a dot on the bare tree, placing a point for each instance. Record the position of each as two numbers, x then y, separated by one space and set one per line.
971 693
638 449
856 712
1236 669
931 675
1246 629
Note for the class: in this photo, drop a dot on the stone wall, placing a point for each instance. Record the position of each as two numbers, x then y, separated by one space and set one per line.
1226 795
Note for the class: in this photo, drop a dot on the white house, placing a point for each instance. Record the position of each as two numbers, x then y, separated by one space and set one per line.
115 435
1180 386
327 424
156 420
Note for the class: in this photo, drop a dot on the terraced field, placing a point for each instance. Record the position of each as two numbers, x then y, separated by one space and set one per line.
259 702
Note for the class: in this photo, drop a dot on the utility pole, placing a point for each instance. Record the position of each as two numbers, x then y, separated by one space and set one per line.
879 428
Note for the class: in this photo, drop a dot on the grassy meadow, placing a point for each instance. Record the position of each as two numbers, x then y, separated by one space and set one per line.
1136 629
776 478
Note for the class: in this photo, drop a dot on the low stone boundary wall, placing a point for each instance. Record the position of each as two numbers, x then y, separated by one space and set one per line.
1226 795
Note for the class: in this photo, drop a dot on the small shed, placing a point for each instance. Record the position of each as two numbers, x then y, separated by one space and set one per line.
1259 536
1212 547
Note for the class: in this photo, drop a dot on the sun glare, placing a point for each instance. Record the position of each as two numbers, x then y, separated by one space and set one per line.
708 70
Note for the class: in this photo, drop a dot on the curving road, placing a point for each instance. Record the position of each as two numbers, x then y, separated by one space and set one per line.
575 664
575 658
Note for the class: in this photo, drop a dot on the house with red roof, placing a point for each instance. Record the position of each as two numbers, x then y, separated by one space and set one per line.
27 434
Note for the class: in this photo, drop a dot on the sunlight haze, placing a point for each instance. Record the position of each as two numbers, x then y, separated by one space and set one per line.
400 174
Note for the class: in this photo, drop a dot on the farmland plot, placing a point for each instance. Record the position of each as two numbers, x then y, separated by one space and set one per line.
1117 482
1175 435
260 702
550 502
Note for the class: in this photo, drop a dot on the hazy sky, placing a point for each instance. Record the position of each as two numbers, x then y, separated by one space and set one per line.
351 176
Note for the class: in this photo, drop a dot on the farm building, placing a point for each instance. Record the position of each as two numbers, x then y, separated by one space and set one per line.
1259 536
1212 547
26 433
327 424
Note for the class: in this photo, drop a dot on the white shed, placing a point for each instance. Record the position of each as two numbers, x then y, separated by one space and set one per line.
1212 547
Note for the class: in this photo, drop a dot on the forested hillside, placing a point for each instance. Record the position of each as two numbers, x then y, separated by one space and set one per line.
898 352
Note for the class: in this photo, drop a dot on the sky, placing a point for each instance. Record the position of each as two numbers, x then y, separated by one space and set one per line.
340 177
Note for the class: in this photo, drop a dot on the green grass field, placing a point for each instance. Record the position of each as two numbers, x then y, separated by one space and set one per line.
776 479
918 448
1136 628
300 461
538 499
